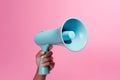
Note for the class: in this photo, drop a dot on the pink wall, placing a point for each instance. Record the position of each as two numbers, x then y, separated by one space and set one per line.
20 20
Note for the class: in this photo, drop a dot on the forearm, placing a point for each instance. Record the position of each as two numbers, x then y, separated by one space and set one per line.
39 77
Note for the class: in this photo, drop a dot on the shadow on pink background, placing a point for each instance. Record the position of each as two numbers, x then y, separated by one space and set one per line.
20 20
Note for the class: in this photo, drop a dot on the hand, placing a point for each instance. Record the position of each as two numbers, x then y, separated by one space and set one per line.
47 58
46 61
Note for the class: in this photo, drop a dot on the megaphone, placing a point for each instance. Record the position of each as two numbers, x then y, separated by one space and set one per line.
72 34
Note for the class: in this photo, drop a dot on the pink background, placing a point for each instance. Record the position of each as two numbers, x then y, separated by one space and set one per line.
20 20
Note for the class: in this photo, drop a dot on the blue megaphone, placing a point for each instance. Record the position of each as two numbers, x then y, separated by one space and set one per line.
72 34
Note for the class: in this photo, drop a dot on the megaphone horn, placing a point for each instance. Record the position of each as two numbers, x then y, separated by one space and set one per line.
72 34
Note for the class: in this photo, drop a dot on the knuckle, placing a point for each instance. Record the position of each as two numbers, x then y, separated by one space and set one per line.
48 63
51 58
44 59
47 59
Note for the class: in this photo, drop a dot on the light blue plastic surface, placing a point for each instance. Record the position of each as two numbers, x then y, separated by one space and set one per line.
72 34
45 70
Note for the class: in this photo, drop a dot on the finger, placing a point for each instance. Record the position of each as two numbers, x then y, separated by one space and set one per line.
52 65
40 53
51 46
46 64
49 59
38 61
48 54
45 60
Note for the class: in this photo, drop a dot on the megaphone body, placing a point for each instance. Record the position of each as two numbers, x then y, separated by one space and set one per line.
72 34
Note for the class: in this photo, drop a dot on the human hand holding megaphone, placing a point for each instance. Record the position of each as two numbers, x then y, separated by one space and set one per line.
72 34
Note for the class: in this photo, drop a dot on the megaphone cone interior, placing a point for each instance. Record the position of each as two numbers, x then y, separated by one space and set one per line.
74 34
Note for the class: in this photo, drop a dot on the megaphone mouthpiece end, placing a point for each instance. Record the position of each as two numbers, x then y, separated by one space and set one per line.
68 35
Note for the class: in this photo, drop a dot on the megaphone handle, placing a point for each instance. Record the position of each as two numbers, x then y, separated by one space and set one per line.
43 70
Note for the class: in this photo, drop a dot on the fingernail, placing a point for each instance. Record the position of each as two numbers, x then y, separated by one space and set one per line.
42 52
42 57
